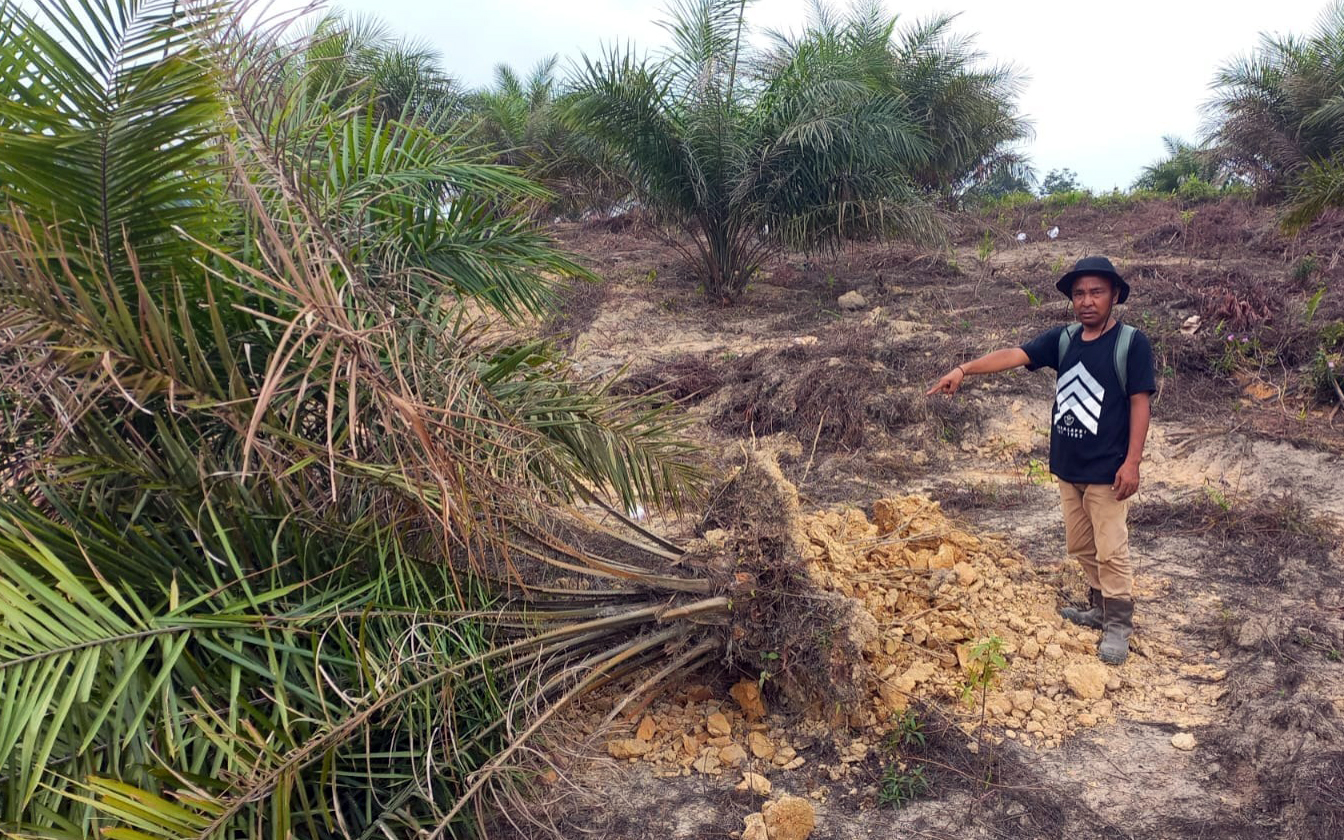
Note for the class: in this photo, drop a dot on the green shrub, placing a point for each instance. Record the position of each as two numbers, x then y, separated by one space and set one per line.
1013 200
1325 368
1068 198
1304 267
1195 189
1059 181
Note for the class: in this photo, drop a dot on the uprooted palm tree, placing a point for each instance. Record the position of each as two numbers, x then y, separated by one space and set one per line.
289 544
749 164
1277 117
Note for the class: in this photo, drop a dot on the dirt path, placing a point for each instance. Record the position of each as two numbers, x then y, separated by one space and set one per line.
1238 561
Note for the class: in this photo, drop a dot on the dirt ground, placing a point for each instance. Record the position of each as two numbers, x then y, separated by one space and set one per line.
1240 617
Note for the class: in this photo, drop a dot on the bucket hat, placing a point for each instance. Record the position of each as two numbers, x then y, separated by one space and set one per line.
1098 266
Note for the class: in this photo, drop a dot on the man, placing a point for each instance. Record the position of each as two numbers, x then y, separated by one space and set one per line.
1099 424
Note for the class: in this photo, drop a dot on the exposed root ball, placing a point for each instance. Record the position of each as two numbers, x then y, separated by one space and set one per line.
785 630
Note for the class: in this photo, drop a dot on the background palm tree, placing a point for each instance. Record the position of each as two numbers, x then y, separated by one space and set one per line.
1277 116
522 121
750 163
1183 162
966 109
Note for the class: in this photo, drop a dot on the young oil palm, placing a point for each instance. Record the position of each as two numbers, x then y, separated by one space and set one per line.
1277 116
1184 161
965 109
746 164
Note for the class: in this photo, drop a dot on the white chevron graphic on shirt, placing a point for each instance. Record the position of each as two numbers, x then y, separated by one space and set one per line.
1081 395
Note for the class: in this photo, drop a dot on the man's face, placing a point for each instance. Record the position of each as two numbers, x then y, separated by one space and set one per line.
1093 298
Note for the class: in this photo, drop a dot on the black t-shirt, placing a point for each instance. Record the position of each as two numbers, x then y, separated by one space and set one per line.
1089 428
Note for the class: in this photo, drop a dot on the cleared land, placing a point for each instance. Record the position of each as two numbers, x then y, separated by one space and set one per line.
1241 616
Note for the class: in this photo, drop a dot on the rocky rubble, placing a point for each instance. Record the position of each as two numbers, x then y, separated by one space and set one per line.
926 594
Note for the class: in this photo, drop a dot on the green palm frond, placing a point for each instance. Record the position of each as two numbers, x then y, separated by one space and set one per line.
108 123
1276 116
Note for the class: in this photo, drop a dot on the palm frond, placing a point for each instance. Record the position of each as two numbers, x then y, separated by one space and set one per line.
107 124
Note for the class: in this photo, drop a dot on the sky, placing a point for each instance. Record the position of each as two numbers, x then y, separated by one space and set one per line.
1107 80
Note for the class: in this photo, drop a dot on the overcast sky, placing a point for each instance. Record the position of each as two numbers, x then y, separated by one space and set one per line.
1107 79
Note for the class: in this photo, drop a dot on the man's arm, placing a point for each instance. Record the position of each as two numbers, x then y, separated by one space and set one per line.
1000 360
1126 482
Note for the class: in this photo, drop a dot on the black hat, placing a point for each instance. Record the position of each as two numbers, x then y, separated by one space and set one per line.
1097 266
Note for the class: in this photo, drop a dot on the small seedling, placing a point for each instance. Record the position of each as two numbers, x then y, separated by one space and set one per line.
1313 303
900 788
909 730
982 669
1037 472
1032 300
1213 494
1305 267
986 247
767 657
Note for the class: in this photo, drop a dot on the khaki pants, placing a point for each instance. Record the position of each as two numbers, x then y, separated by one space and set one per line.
1098 538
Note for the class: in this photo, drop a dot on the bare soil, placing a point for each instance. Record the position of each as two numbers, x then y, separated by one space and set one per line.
1235 530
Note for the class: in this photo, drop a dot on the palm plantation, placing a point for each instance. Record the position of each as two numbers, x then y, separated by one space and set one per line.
297 523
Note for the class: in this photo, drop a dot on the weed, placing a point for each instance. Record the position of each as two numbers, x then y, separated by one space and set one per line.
1195 189
1327 374
767 657
1239 352
1037 472
1304 268
901 787
986 247
1217 497
908 733
1313 303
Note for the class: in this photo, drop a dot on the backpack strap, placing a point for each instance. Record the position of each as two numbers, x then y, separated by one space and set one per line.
1065 339
1122 342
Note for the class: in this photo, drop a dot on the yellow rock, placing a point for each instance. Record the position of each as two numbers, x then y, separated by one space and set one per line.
754 828
1087 680
717 724
760 746
947 557
689 745
789 818
747 693
647 729
756 783
628 748
732 755
966 573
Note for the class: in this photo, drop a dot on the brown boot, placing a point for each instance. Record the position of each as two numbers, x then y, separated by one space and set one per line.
1090 617
1119 624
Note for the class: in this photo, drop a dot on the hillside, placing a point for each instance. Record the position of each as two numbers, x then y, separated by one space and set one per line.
1235 529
